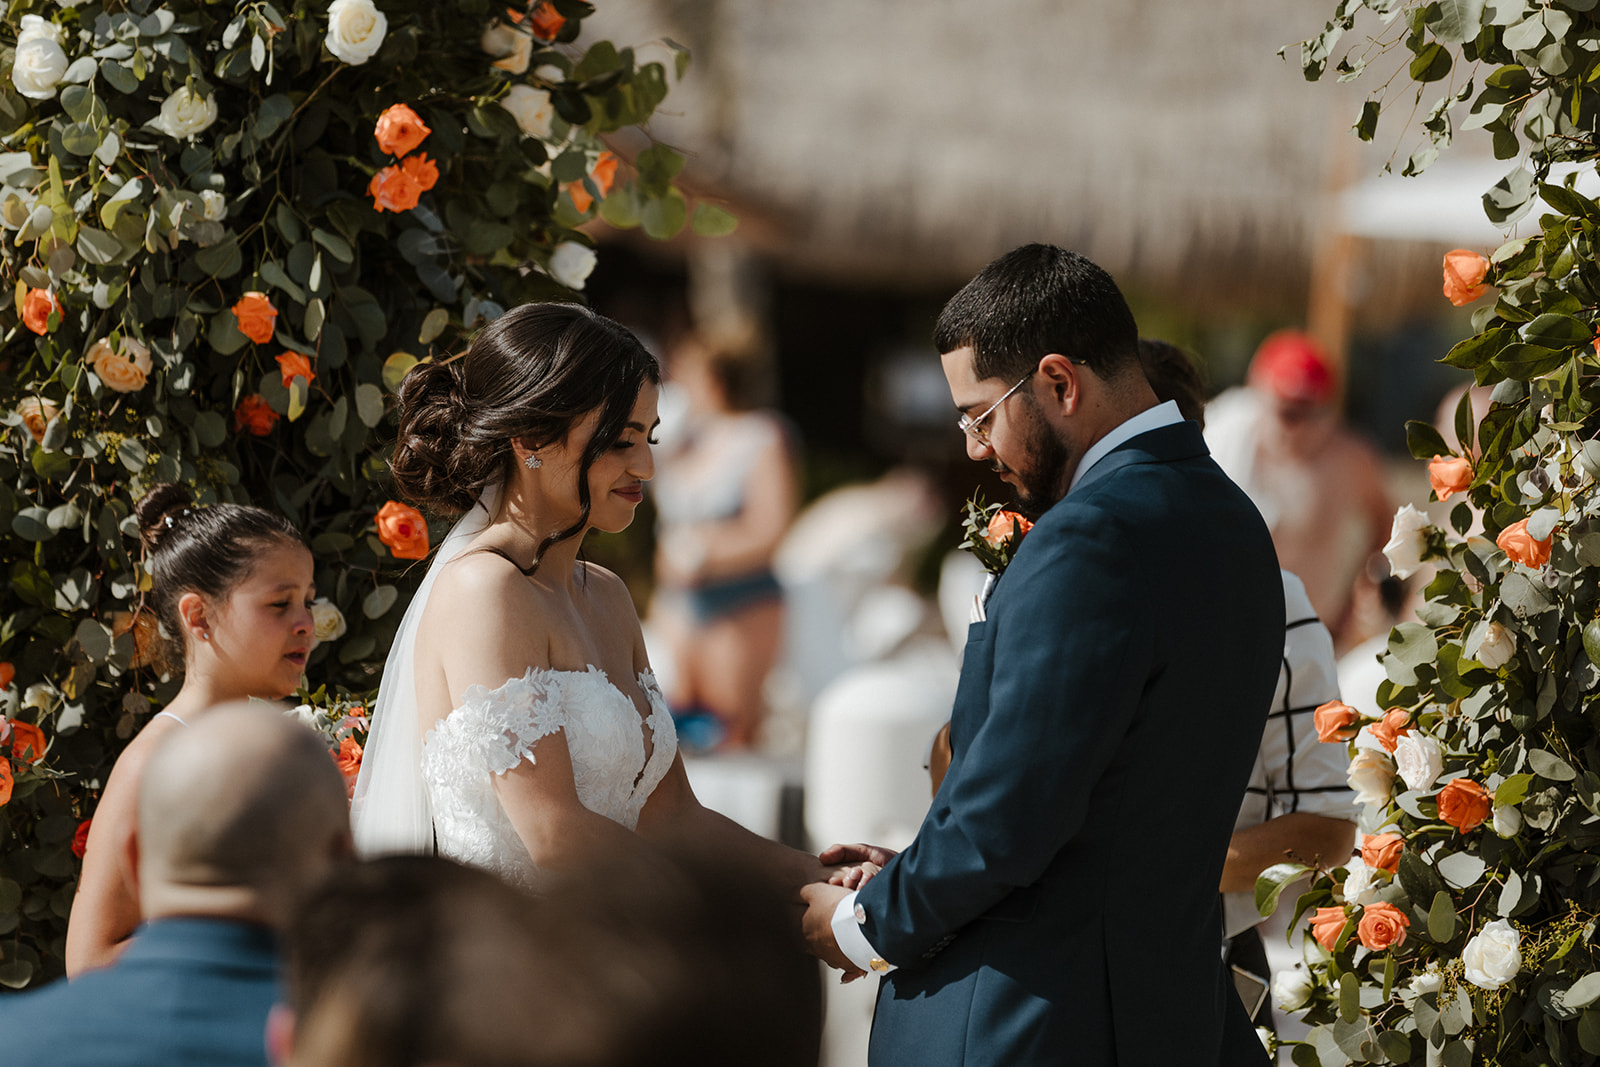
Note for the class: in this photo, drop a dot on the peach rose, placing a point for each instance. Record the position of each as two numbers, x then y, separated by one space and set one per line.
603 175
1382 925
256 316
545 21
36 309
392 189
1326 926
1449 475
420 169
80 839
254 415
1000 527
1335 721
5 782
1381 852
1391 728
349 761
294 365
1464 804
123 369
27 742
1520 547
36 414
401 527
1463 276
400 129
8 674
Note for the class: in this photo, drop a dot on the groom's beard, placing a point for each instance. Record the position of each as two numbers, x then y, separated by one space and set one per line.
1044 482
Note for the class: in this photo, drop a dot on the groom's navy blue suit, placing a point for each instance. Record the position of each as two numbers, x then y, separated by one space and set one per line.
1059 904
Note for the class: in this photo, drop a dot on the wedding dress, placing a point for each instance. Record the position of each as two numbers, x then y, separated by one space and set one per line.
495 729
414 792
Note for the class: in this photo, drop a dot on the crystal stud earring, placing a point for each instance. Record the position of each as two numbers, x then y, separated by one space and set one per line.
533 462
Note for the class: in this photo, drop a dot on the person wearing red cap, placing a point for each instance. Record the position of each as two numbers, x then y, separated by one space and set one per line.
1317 483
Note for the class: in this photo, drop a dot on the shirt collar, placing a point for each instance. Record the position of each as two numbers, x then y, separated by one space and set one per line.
1165 414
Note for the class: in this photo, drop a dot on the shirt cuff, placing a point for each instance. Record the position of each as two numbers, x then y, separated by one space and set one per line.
847 920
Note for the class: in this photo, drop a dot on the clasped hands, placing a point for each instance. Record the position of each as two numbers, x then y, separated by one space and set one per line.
849 867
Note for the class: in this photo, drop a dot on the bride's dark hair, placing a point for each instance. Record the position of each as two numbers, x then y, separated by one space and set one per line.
532 373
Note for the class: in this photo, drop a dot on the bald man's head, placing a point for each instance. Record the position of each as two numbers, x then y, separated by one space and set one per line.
238 814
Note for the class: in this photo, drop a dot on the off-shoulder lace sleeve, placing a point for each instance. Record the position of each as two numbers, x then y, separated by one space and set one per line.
498 728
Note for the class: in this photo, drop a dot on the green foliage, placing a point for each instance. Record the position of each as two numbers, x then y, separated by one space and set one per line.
1498 680
191 152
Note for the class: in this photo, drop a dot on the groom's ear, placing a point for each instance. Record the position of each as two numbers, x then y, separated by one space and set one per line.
1064 381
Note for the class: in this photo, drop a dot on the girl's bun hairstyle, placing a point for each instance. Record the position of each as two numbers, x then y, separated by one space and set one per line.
532 373
200 549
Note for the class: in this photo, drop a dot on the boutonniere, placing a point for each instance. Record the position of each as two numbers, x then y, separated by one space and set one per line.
993 533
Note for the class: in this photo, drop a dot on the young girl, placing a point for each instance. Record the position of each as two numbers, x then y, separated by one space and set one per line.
232 587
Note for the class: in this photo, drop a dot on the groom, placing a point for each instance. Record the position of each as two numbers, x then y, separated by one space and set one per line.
1059 903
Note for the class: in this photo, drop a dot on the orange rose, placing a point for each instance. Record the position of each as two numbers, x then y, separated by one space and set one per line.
1464 804
420 169
1001 525
545 21
1517 544
1326 926
5 781
254 415
392 189
1336 721
400 526
1450 475
256 316
1392 727
8 674
123 369
1382 851
349 761
603 174
294 365
1382 925
36 309
80 839
1463 276
400 129
27 742
36 414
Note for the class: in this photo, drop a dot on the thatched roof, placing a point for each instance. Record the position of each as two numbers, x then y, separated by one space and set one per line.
916 139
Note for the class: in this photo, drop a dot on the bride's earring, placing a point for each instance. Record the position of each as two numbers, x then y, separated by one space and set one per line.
533 462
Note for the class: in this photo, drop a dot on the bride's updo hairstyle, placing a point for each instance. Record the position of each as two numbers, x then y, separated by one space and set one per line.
201 549
532 373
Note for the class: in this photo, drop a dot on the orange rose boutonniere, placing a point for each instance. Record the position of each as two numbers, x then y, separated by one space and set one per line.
402 529
399 130
256 317
993 533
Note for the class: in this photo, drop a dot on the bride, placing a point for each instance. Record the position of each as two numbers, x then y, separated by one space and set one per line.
518 727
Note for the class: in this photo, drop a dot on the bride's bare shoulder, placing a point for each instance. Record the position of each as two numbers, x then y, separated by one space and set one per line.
480 586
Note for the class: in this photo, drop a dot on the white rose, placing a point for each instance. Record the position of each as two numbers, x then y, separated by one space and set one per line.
531 108
549 72
511 48
38 67
35 28
213 205
355 30
1292 988
1371 775
1429 981
306 715
327 619
1408 540
1507 820
1492 645
38 696
1493 957
1362 883
184 114
571 263
1419 759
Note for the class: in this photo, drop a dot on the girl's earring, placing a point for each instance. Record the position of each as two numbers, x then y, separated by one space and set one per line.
533 462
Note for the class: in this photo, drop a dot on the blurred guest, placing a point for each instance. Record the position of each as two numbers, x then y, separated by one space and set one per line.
237 816
725 495
412 960
1319 486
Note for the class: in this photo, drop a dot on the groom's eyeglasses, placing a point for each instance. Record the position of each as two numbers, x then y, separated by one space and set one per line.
974 427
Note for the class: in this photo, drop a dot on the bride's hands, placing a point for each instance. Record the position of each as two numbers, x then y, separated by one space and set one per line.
855 864
853 876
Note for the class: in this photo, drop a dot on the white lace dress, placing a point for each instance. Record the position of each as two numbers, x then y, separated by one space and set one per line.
495 729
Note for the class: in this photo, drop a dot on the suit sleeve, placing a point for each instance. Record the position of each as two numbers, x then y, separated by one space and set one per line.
1070 645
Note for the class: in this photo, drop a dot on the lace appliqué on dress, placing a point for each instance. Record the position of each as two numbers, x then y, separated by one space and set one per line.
495 729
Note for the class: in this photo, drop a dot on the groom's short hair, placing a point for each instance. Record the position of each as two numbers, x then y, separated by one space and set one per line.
1036 300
